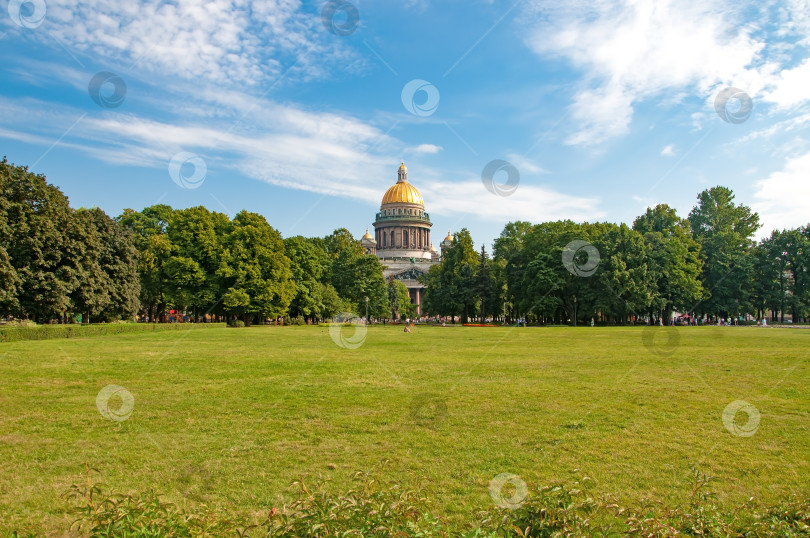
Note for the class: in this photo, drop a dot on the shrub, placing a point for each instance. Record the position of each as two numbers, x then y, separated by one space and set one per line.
373 508
47 332
377 508
559 510
102 514
20 323
236 323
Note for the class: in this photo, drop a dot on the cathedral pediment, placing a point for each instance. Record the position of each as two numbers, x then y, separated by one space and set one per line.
409 274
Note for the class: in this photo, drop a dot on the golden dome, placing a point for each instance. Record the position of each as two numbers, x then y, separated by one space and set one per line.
402 192
368 235
449 236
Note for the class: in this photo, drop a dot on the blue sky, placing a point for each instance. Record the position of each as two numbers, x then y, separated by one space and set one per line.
602 108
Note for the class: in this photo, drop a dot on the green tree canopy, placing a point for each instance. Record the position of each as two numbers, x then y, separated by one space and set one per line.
725 232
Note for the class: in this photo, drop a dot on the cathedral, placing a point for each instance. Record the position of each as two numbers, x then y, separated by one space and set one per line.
401 237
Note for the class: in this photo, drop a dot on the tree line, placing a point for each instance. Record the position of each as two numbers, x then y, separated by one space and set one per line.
60 263
707 265
66 264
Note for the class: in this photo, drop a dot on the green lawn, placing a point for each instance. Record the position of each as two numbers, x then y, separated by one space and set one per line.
228 417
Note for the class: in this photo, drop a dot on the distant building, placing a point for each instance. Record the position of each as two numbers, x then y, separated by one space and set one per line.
402 237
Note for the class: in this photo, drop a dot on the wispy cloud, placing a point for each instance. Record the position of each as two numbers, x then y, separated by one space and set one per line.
629 51
231 42
524 165
325 153
533 203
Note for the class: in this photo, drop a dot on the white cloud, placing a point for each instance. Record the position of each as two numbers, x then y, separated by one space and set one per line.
793 123
425 148
668 151
242 42
527 202
325 153
630 50
524 165
783 198
790 86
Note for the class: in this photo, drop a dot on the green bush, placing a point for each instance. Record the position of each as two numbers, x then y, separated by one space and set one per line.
20 323
559 510
47 332
236 323
377 508
101 514
374 508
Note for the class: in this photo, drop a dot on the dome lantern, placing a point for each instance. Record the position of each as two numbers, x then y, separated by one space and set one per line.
402 173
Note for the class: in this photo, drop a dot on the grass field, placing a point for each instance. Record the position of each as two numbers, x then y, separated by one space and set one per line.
229 417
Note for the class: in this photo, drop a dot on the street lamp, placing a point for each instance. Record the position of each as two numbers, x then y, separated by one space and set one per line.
366 309
575 310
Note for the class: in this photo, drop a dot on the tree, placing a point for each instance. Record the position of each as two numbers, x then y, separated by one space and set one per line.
796 246
512 239
674 261
185 278
356 275
259 266
769 289
236 302
341 240
400 300
436 299
37 223
9 280
451 286
118 261
624 272
780 272
487 287
198 241
309 262
538 280
54 260
331 303
368 281
86 248
724 231
507 253
148 228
